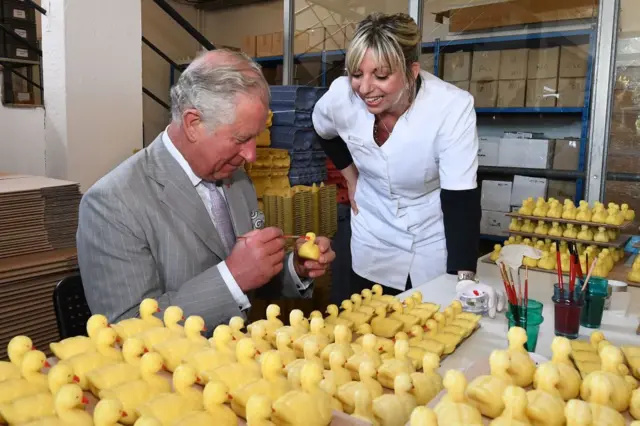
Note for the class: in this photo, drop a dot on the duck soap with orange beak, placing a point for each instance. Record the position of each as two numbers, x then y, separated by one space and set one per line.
309 249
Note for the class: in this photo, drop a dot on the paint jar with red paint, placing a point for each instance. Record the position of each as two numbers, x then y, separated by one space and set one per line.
475 301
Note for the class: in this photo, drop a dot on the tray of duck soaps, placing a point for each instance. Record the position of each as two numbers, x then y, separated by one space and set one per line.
613 216
516 387
148 371
597 239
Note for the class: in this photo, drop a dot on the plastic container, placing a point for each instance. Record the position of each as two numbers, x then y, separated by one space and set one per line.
594 302
534 307
294 138
475 302
302 98
567 317
531 325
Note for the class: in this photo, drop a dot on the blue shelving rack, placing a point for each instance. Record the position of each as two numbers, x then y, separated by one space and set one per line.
500 42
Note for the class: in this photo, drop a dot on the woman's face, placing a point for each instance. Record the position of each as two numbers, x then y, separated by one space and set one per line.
379 88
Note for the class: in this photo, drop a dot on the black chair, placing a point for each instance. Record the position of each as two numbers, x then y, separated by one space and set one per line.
72 310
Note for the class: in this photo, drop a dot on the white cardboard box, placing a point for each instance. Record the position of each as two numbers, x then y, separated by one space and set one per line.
526 153
488 151
525 187
494 223
496 195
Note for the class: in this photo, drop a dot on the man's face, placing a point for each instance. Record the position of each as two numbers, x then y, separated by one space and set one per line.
219 153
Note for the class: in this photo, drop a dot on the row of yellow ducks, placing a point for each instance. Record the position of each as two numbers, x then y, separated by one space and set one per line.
614 214
604 393
548 244
98 366
569 230
607 258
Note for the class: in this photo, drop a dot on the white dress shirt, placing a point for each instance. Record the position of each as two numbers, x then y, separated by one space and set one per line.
203 191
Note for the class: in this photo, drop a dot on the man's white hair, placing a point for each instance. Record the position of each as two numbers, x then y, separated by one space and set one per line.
212 89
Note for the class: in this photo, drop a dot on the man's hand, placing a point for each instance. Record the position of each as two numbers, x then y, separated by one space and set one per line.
256 258
497 299
306 268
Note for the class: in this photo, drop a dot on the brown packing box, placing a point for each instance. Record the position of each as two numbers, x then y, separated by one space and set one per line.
565 154
485 93
249 45
543 63
512 93
573 61
300 43
486 65
334 37
427 62
264 45
518 13
514 64
561 190
457 66
571 91
464 85
541 92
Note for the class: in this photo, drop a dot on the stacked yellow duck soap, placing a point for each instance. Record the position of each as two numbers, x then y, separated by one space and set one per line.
147 371
519 392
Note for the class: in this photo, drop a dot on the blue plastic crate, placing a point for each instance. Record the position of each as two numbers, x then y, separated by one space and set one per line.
294 138
286 116
301 98
308 159
307 175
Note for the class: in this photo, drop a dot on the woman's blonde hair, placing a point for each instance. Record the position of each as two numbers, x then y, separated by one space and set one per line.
393 41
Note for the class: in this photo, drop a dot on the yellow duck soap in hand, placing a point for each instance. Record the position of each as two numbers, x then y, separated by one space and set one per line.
455 408
16 349
515 401
309 249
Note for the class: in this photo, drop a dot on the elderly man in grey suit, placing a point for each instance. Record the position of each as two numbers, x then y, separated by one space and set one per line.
165 223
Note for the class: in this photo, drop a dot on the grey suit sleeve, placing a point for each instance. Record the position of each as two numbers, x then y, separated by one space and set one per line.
118 269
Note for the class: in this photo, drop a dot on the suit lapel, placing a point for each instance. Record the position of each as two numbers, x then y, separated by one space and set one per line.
181 197
238 207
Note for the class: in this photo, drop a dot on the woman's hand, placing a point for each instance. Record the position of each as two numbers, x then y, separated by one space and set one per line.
352 196
350 174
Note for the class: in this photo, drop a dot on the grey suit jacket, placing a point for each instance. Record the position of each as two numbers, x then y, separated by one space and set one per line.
143 231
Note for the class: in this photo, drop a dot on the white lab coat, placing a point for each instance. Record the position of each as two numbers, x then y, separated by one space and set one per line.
399 229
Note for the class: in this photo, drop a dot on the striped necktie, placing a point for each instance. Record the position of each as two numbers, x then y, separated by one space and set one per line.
221 216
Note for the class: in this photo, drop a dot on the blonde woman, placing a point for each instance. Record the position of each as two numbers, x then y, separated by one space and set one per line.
407 145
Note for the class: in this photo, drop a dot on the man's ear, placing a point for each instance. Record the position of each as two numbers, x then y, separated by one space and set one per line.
191 124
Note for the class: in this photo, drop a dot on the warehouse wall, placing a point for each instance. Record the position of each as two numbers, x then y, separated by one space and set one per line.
168 36
22 140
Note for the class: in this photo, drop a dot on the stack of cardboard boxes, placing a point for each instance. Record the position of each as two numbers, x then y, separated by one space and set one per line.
525 150
544 77
307 72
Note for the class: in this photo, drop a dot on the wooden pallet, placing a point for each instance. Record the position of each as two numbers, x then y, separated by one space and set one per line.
624 225
620 242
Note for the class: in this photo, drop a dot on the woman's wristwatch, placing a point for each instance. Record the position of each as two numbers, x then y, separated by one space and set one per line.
466 276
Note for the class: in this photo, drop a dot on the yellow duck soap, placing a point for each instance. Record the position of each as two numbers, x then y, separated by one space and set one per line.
309 249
